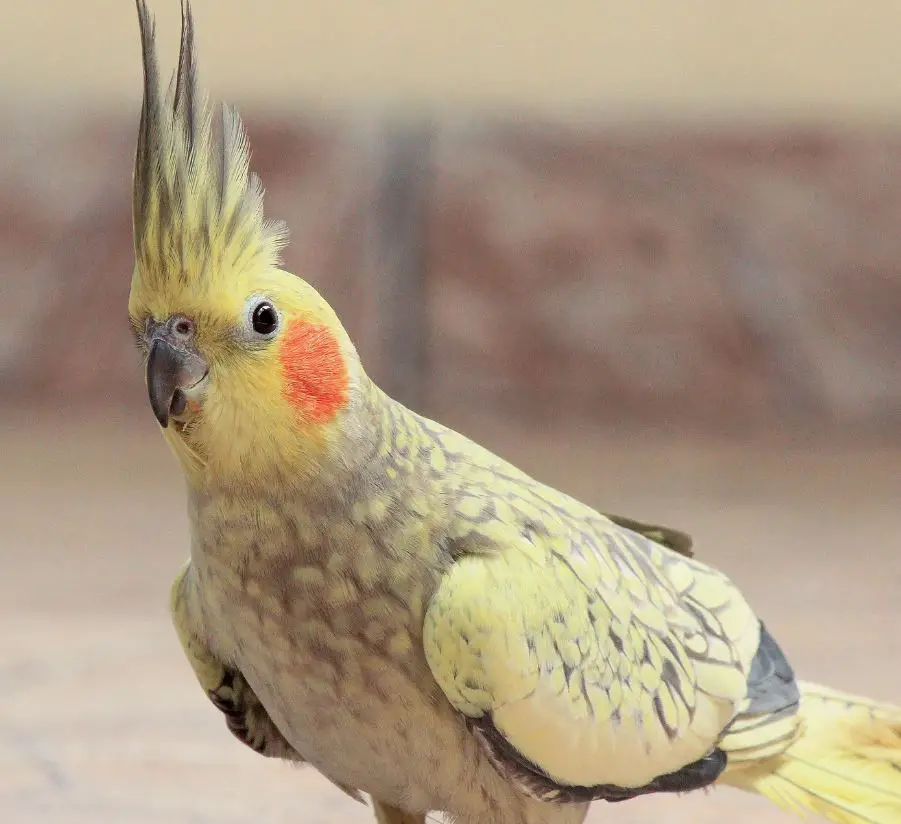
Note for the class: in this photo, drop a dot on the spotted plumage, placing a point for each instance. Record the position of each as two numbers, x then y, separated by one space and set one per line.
375 595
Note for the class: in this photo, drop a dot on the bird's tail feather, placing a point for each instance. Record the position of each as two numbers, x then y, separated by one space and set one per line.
843 761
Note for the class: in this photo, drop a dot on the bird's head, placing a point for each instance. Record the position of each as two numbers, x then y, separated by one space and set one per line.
246 365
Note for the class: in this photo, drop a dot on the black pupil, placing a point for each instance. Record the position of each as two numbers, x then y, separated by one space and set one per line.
264 319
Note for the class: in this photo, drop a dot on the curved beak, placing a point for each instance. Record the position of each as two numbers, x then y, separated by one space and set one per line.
170 371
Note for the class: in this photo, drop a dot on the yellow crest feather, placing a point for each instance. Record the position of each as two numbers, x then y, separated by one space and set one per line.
197 207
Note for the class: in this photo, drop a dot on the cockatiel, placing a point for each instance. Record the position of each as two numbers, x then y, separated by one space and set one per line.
372 593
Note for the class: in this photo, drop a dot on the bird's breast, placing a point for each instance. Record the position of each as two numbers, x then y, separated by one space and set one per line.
328 633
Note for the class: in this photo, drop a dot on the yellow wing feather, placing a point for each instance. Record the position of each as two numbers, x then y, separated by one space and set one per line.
602 658
603 654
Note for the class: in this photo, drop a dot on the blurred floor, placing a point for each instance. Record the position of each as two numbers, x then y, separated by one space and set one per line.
101 719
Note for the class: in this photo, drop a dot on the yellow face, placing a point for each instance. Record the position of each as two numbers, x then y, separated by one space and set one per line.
247 366
258 368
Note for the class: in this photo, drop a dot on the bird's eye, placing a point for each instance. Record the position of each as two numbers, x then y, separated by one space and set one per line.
264 318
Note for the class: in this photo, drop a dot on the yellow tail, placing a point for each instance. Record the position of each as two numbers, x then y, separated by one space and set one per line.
844 762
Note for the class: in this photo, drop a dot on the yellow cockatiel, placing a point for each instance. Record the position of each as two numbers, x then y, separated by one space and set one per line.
372 593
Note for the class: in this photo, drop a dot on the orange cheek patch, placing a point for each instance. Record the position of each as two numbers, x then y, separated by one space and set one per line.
314 370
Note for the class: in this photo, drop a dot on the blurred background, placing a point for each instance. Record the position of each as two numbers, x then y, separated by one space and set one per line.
649 252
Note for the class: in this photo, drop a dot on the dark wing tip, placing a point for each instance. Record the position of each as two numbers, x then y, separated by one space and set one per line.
673 539
530 779
772 688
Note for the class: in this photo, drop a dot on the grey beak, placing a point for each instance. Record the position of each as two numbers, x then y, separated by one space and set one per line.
171 369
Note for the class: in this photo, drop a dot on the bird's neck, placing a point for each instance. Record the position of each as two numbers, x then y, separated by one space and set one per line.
374 475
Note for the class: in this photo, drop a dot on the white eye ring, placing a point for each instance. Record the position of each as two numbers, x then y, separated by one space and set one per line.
262 319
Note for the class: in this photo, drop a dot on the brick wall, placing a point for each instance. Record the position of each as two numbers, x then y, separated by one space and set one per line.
714 279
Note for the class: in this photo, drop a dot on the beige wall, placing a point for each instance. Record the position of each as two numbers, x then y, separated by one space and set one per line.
820 58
